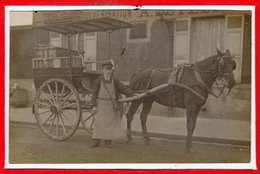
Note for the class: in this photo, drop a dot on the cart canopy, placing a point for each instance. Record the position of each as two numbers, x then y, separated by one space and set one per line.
85 26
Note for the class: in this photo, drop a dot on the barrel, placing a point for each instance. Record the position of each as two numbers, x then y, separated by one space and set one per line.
19 98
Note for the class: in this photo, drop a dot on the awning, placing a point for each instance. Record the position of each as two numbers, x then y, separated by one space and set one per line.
91 25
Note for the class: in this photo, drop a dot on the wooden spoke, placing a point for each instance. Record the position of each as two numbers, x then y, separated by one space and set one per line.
56 88
50 91
47 119
67 97
63 125
43 112
52 124
48 98
69 105
57 130
44 104
62 91
66 118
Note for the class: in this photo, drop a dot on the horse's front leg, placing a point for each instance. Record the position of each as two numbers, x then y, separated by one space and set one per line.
147 105
130 116
192 111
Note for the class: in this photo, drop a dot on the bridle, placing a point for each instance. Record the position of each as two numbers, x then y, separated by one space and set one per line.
216 71
221 74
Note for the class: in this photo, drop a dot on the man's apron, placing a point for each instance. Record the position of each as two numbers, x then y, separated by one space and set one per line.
107 123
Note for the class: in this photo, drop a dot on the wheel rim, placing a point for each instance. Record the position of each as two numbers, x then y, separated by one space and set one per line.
88 117
57 108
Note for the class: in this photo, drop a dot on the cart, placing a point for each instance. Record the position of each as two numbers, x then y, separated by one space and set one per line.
63 80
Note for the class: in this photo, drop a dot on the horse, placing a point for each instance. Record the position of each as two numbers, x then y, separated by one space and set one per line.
219 66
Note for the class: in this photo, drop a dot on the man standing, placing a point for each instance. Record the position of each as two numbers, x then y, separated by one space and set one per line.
106 91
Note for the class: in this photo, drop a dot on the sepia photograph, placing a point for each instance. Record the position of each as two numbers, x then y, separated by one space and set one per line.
133 87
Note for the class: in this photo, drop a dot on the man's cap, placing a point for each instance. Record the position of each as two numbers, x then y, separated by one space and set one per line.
107 64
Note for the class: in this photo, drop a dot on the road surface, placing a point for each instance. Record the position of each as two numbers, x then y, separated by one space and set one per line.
29 145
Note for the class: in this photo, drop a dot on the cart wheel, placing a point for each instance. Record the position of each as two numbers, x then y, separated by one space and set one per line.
87 121
87 118
57 108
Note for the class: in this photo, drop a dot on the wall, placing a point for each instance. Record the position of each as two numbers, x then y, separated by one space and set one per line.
22 50
157 52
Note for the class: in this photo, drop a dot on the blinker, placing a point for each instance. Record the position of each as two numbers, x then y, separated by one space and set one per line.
234 65
221 61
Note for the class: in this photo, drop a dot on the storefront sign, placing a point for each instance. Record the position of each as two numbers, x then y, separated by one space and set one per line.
41 18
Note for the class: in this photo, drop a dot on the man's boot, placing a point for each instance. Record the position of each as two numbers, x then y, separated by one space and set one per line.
95 143
108 143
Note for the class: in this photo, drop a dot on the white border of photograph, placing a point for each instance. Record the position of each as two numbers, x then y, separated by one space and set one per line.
250 165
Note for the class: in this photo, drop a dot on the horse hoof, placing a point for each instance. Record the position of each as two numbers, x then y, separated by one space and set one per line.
191 150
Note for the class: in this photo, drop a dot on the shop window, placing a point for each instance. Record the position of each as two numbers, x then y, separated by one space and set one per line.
139 33
55 39
234 22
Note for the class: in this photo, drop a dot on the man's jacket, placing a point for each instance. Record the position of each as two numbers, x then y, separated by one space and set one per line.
118 86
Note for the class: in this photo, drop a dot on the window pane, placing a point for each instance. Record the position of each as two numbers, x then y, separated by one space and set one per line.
55 35
182 46
139 31
90 34
182 25
234 22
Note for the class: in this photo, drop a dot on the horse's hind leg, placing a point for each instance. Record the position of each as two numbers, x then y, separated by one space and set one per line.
147 105
192 111
130 116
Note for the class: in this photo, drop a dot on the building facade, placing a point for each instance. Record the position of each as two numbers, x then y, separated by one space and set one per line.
23 40
161 39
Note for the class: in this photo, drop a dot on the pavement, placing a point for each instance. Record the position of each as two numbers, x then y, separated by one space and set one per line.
208 130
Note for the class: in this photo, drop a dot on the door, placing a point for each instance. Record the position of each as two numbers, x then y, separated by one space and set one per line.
207 34
234 41
181 41
90 49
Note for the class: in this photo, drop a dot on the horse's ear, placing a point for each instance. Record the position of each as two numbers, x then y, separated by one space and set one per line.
228 52
219 52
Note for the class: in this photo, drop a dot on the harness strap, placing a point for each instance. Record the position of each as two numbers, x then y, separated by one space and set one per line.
198 77
217 71
150 79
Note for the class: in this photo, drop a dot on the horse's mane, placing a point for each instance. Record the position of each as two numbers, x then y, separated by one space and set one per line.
207 61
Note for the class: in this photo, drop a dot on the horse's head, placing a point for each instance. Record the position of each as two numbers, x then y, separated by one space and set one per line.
225 66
